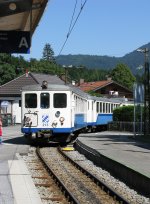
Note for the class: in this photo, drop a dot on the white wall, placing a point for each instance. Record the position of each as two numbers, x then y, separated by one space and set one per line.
16 111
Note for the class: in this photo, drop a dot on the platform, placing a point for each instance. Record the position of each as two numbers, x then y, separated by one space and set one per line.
16 185
122 147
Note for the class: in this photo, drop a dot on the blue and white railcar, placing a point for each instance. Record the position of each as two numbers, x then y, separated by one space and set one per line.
104 110
100 112
53 111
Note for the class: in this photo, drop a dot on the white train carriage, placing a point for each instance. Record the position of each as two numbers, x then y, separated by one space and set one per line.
53 111
100 112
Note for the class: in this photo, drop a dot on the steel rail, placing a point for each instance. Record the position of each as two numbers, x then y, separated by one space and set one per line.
100 183
60 184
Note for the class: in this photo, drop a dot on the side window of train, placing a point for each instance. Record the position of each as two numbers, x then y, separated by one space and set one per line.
101 105
45 101
19 103
60 100
97 107
104 104
111 108
30 100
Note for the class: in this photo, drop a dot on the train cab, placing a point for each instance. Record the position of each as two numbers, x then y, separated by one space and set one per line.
52 110
46 110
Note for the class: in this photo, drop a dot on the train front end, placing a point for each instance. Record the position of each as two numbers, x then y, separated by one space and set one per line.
46 112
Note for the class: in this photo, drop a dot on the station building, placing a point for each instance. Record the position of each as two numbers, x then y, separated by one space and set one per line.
107 88
10 94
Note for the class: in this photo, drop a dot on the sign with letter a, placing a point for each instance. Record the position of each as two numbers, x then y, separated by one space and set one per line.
15 41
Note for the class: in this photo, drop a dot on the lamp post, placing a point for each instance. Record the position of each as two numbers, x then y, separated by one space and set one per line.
146 92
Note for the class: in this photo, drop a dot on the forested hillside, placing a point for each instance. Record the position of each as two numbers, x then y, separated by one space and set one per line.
133 60
11 67
89 68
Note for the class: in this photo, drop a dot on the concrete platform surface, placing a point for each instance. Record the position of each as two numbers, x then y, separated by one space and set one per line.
16 185
121 147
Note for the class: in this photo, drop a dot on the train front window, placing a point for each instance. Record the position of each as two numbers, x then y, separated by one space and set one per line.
30 100
60 100
45 102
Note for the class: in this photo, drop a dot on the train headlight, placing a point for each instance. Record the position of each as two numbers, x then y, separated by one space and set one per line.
57 114
62 120
54 124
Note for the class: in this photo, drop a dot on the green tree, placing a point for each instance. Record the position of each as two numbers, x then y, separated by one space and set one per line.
45 67
7 69
122 74
81 72
21 65
48 53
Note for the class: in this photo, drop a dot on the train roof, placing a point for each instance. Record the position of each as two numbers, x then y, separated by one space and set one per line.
50 87
55 87
105 99
70 87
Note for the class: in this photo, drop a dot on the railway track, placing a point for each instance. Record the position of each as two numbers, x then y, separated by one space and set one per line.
52 190
46 185
77 184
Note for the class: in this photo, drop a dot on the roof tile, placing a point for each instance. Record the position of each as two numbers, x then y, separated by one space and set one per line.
88 86
13 87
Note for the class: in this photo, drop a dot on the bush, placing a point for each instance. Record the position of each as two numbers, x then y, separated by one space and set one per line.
124 113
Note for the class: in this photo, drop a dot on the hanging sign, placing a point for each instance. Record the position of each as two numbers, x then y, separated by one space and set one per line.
15 42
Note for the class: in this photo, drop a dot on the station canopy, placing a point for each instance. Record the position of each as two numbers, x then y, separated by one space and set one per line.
21 15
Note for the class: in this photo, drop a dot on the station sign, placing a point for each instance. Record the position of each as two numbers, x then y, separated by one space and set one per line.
15 42
138 91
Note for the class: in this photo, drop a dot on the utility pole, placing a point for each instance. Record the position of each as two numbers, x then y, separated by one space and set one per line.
146 92
65 67
66 72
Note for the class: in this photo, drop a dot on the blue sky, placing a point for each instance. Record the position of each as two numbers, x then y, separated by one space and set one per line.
105 27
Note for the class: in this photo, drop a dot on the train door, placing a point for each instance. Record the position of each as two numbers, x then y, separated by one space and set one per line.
73 105
44 113
94 112
61 113
90 114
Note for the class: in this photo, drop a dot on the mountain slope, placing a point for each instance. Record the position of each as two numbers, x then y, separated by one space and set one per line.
133 60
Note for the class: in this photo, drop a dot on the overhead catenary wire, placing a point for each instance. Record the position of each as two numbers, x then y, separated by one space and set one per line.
72 24
72 16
